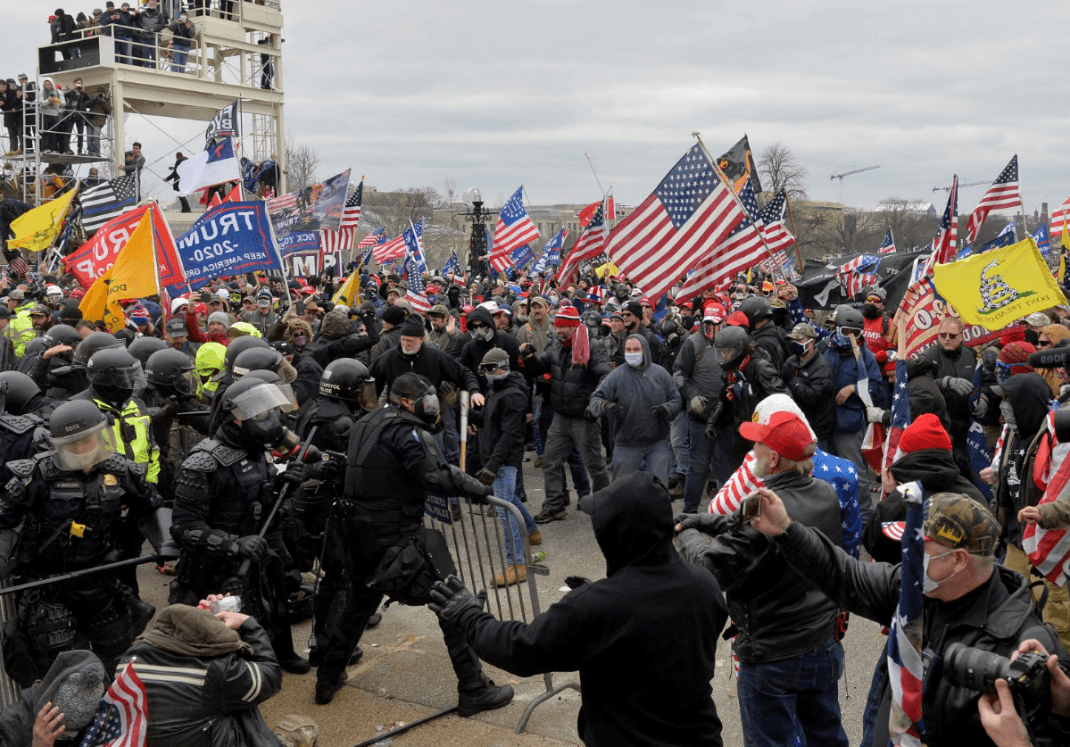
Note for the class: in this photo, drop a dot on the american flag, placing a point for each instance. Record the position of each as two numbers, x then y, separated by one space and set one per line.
588 212
1004 193
335 242
742 249
122 718
900 415
1060 217
888 245
105 201
15 262
687 216
551 253
376 237
945 244
776 231
588 246
1049 549
453 264
390 250
514 228
415 294
858 273
905 726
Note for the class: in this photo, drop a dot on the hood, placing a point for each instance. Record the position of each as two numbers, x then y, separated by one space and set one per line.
69 663
190 631
934 468
482 315
1030 398
633 522
646 350
335 325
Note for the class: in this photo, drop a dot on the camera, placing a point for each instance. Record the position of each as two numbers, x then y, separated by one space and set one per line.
1027 676
1058 356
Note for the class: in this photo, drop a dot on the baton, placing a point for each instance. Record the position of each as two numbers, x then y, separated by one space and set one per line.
84 572
464 427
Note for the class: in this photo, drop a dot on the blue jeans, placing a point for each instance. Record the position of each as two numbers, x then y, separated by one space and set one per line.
705 457
180 53
505 490
776 695
679 437
653 458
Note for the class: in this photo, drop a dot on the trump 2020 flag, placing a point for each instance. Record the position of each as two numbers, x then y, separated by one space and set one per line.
216 165
551 253
905 672
514 228
123 714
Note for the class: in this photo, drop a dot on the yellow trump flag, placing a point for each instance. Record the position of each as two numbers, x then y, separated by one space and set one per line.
349 293
996 288
37 229
134 275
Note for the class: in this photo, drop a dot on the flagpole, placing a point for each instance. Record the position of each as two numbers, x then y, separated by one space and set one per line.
739 202
599 181
798 248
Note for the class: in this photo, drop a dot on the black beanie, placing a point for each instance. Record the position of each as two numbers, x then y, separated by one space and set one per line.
413 326
635 308
393 315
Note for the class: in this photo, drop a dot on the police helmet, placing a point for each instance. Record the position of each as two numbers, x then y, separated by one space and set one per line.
422 392
62 334
170 368
113 372
209 360
255 359
349 381
236 348
253 396
143 347
79 435
95 342
17 389
36 346
732 345
756 308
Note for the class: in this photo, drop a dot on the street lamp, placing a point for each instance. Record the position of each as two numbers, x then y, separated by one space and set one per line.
477 243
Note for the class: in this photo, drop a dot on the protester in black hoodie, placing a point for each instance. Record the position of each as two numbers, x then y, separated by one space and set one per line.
485 337
643 639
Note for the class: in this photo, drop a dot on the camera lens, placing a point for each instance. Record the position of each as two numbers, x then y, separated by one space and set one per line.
975 669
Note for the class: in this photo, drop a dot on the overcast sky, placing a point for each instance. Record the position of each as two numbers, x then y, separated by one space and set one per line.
495 94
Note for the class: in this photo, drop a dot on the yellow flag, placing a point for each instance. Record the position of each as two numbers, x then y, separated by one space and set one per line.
133 275
38 228
94 301
349 293
995 288
607 269
1064 247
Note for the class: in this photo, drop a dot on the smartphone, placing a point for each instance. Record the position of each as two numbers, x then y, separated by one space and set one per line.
750 507
300 307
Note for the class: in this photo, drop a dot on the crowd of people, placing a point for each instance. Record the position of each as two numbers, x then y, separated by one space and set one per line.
259 434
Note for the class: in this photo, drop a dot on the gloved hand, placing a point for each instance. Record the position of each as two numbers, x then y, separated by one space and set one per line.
711 429
471 487
171 407
697 404
593 412
701 522
616 410
296 473
452 602
874 415
663 411
575 582
486 477
980 407
959 386
325 469
252 546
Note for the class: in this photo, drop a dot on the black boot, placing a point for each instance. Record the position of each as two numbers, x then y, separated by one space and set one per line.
284 652
476 691
486 697
326 688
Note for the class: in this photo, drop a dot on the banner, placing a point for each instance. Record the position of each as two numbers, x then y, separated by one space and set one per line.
994 289
820 286
299 216
232 239
36 229
926 309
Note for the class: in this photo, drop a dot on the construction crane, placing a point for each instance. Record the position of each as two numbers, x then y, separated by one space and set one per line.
968 184
848 173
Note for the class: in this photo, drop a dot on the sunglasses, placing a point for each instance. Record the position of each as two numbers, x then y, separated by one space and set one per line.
949 336
1044 342
491 368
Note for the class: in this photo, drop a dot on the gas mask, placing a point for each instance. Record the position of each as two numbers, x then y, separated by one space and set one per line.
486 334
426 408
115 395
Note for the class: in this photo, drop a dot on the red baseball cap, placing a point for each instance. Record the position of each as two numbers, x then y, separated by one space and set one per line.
783 432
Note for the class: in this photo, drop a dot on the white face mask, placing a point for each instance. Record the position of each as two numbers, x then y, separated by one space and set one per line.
928 584
633 359
1007 410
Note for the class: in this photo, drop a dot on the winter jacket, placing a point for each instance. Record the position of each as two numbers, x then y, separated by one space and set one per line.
262 322
17 720
779 615
538 336
1029 396
638 688
431 363
502 422
639 390
652 342
995 617
937 472
473 351
571 385
697 373
810 384
743 390
151 21
958 364
52 101
851 415
770 338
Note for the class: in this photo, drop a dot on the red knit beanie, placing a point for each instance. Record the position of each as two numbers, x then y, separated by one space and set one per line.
1016 356
567 317
924 433
737 319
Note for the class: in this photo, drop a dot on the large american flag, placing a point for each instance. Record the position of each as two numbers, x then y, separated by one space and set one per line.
1060 217
122 718
396 248
945 243
776 231
514 228
858 273
1003 194
335 242
1049 549
551 253
900 415
588 246
15 262
742 249
687 216
905 726
887 245
416 295
105 201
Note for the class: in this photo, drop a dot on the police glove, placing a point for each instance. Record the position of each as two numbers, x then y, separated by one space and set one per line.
980 407
486 476
663 411
325 469
697 404
616 410
874 415
575 582
170 407
960 386
701 522
452 602
296 473
253 546
593 412
468 484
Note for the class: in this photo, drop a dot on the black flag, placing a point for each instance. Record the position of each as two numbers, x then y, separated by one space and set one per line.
225 124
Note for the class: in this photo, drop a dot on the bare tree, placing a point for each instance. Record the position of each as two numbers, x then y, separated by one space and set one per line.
911 221
779 168
301 164
396 210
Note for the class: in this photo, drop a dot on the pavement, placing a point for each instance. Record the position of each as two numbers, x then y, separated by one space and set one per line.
406 675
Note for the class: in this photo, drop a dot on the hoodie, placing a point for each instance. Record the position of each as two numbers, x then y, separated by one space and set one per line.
643 639
1029 397
17 720
639 390
474 349
503 419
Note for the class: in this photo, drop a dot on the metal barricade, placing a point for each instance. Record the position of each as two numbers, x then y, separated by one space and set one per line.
478 543
9 690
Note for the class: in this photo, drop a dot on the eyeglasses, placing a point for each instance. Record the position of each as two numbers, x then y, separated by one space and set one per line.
950 335
1043 342
627 313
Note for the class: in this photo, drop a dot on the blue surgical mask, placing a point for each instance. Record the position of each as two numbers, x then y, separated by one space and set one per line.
633 359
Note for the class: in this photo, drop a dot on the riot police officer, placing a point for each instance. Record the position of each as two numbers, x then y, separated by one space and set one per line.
346 392
69 501
225 378
60 342
391 463
223 492
20 416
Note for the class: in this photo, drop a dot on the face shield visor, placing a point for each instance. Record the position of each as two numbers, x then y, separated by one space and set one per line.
261 400
85 449
366 396
728 353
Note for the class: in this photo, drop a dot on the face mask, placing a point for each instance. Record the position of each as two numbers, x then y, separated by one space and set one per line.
633 359
483 333
563 336
798 348
266 429
300 341
928 584
869 311
492 378
1008 414
841 341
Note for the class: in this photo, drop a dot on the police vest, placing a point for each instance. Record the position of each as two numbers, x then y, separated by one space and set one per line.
133 437
22 331
372 473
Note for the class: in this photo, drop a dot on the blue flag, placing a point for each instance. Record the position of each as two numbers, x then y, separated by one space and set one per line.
1041 237
453 265
551 253
232 239
976 445
521 256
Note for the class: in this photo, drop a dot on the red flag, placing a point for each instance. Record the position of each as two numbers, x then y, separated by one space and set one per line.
588 212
